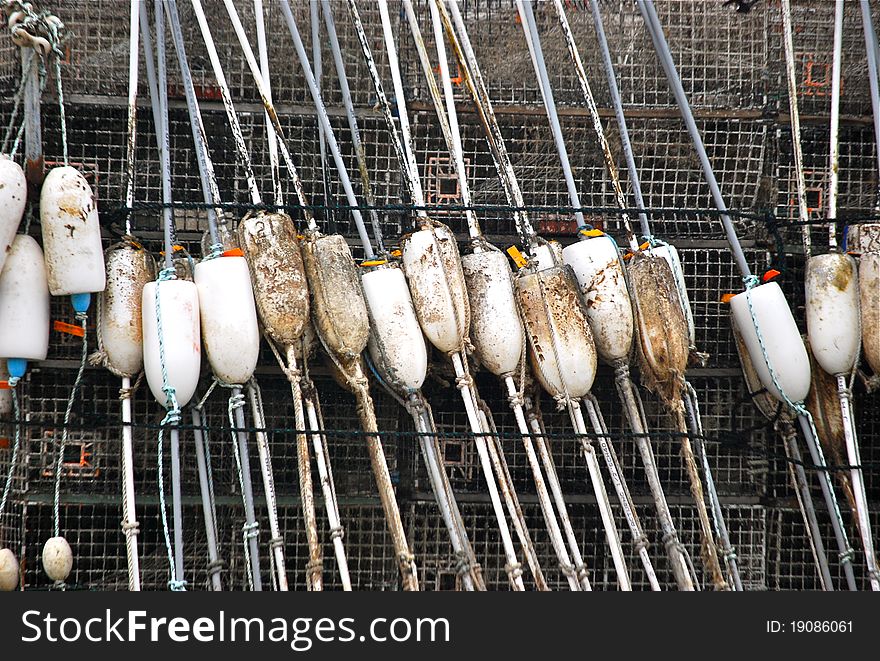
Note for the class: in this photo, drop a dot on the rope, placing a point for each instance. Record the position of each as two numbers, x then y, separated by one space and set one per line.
59 463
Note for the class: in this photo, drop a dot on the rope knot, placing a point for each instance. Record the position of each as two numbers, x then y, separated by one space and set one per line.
337 532
250 530
177 586
514 570
561 401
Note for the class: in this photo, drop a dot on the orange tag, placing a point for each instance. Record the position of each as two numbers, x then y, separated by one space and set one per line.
374 262
4 385
593 232
517 256
725 298
70 329
234 252
769 275
4 443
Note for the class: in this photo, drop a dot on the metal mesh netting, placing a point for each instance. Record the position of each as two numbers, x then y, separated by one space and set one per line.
732 69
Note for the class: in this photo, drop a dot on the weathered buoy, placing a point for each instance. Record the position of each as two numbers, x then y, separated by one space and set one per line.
869 298
560 341
780 340
181 338
670 254
496 329
8 571
13 196
271 247
57 559
71 234
596 265
338 306
661 327
397 346
129 269
767 404
228 314
433 270
832 305
24 306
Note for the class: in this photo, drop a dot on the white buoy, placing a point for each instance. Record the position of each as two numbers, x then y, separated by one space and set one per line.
560 340
397 346
8 571
670 254
271 248
181 338
71 234
780 339
13 196
436 283
229 317
24 305
129 269
596 265
869 295
832 305
57 558
338 306
496 329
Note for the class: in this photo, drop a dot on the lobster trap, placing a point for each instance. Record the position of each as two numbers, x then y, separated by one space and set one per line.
732 69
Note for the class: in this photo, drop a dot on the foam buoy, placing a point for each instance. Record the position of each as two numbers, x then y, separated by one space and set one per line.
496 329
560 341
766 403
338 305
181 338
8 571
433 270
13 196
869 297
278 276
397 346
596 265
129 269
71 234
670 254
24 306
229 317
57 559
780 340
832 305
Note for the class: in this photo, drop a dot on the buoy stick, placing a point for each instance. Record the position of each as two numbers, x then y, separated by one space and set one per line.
251 528
873 54
208 508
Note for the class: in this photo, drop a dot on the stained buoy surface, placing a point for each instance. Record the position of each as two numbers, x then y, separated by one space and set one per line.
57 559
597 267
278 276
13 196
832 306
780 340
129 269
397 346
869 297
228 317
71 234
24 302
433 270
670 254
181 338
8 571
496 328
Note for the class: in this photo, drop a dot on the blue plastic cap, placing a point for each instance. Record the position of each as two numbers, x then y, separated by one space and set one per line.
81 302
16 367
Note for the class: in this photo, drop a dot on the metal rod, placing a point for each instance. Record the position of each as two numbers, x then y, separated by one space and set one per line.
315 25
621 489
805 502
356 142
834 131
252 527
328 130
207 492
843 546
33 133
132 110
276 544
210 191
696 426
652 22
625 143
176 506
271 136
129 523
858 480
794 112
871 49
